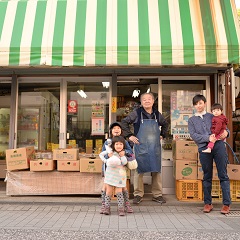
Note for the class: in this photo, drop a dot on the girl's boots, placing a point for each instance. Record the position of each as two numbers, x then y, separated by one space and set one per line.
107 210
103 194
128 206
120 200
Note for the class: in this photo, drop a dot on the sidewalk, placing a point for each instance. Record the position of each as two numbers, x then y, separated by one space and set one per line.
79 216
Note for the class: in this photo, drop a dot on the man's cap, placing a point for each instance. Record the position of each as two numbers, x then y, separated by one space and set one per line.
114 125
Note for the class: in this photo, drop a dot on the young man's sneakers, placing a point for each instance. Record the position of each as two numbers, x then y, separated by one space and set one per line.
137 199
208 208
225 209
159 199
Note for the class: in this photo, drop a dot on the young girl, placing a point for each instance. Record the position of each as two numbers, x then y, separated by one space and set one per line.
115 174
115 129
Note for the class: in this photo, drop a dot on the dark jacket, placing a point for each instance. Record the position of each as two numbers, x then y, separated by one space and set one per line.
135 119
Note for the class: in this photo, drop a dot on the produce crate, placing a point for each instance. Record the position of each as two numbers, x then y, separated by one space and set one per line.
189 190
235 190
216 191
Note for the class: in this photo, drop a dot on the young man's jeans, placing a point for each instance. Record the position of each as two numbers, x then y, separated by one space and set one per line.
220 157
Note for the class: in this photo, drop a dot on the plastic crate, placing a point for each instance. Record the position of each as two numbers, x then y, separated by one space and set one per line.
235 190
189 190
216 191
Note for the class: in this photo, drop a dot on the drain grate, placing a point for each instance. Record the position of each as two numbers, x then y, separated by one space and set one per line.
233 213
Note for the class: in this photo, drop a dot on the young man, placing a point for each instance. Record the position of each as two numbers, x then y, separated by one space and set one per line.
199 127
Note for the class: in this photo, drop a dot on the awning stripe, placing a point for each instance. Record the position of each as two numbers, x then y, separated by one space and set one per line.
233 52
57 49
144 42
101 24
165 32
187 32
36 44
79 40
123 33
3 7
17 33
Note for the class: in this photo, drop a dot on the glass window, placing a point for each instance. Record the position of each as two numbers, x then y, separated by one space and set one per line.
177 108
5 99
87 115
38 115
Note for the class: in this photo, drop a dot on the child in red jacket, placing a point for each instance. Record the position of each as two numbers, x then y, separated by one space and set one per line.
219 124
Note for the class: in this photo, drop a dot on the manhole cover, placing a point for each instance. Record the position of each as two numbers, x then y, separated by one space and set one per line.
233 214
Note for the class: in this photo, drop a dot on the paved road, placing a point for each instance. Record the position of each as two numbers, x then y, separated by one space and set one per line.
81 220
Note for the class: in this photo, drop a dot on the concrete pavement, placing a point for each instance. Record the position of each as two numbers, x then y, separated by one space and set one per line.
77 217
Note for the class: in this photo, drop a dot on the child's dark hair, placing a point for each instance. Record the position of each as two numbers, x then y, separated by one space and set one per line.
216 106
118 139
198 98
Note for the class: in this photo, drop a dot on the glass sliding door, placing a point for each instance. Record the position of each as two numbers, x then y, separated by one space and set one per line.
176 103
38 114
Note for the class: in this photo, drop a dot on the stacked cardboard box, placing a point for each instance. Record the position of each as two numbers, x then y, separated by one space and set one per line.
40 165
185 168
19 158
67 159
185 156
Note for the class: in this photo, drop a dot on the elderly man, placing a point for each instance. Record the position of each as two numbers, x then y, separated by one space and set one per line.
149 127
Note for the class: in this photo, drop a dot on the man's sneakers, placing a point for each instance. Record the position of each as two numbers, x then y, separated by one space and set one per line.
225 209
208 208
159 199
137 199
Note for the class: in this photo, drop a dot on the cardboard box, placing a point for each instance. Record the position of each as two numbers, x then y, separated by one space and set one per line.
40 165
71 166
91 165
185 169
233 171
66 154
19 158
184 150
200 173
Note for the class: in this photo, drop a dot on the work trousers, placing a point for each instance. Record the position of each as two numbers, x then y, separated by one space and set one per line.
139 186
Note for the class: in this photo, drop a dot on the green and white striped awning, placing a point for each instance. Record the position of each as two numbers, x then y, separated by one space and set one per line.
118 32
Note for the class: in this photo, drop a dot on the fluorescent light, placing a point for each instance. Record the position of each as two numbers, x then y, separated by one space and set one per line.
135 93
82 93
149 89
105 84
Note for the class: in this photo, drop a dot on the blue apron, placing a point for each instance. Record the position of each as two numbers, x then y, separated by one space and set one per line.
148 151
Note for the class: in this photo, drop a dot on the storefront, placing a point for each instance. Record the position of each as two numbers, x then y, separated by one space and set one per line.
53 52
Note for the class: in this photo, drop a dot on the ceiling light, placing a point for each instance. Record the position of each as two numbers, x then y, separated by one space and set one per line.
105 84
135 93
149 89
82 93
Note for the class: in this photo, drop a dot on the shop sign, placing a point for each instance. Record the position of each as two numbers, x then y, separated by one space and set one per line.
72 106
114 104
